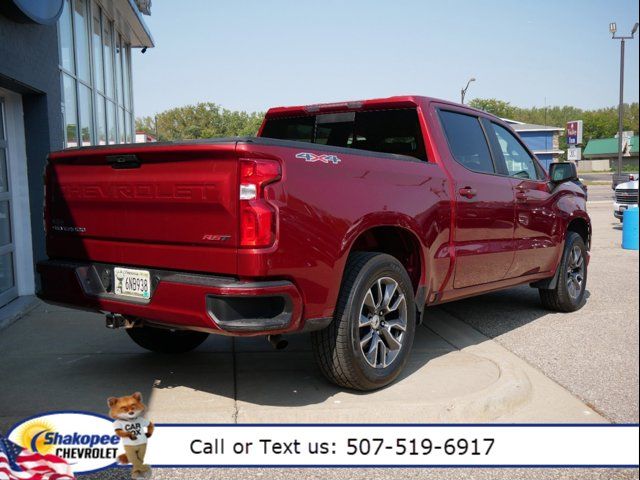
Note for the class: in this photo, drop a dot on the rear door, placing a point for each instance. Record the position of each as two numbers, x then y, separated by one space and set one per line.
485 207
537 236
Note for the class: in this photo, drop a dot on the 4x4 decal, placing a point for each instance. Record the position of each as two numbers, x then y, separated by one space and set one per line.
312 157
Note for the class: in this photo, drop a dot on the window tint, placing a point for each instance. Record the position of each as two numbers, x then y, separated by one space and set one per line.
299 128
467 141
518 161
388 131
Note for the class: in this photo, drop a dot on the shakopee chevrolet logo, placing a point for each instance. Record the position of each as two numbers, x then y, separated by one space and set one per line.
86 441
312 157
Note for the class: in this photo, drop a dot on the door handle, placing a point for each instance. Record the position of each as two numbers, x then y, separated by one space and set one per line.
467 192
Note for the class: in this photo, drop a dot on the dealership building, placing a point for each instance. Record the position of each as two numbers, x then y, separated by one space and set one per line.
65 81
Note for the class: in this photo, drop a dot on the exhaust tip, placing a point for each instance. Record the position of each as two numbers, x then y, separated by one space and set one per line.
114 321
277 341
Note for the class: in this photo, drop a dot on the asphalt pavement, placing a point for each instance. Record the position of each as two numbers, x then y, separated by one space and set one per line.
596 176
375 473
600 194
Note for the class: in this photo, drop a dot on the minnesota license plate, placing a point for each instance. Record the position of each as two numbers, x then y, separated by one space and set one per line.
132 283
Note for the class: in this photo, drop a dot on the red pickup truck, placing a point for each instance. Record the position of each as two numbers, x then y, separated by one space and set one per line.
345 220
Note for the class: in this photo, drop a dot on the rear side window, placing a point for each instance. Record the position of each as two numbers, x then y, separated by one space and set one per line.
467 141
387 131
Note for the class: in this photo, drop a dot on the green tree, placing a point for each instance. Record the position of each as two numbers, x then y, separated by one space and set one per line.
499 108
597 123
202 120
146 125
207 120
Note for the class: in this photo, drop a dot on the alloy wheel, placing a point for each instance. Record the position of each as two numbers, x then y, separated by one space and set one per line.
575 272
382 322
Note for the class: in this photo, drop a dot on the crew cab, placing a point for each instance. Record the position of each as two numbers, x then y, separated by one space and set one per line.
345 220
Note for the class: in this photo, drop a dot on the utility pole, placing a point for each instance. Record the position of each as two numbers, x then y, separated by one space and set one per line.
613 28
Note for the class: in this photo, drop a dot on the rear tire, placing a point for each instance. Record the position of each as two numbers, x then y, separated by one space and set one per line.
568 295
368 343
161 340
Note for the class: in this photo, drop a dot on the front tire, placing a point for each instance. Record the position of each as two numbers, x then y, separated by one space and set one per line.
568 295
368 343
161 340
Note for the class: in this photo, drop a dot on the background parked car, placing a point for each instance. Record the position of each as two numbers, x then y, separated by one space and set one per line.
622 178
626 197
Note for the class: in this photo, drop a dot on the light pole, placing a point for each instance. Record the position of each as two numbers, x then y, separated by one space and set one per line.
613 28
463 92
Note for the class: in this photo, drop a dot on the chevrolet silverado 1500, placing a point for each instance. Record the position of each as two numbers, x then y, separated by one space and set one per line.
345 220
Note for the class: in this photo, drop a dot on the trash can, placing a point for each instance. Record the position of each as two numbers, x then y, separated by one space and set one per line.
630 229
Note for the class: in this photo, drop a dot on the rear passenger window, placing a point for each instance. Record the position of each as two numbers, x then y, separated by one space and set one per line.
467 141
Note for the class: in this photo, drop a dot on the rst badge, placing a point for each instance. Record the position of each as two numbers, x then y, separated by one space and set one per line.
312 157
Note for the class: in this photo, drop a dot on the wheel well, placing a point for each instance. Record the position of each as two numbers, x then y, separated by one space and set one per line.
581 227
397 242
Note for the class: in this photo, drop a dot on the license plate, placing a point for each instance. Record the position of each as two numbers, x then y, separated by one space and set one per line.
132 283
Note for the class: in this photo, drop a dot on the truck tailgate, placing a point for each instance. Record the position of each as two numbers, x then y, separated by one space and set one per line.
167 206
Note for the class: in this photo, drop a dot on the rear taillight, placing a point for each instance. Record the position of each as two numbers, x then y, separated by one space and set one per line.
257 215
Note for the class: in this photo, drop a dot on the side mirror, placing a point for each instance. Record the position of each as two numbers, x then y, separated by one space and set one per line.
563 172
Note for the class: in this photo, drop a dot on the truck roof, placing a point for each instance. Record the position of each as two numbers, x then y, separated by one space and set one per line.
401 101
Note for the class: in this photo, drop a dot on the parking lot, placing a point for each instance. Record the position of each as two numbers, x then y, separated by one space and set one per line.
499 357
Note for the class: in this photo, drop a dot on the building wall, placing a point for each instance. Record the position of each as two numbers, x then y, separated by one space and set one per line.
29 66
607 164
538 140
602 165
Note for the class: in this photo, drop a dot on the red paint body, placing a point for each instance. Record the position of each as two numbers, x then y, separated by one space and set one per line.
178 212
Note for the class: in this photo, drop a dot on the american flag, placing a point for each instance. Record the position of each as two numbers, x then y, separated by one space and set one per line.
17 463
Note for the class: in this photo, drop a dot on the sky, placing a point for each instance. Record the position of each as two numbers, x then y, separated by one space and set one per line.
254 54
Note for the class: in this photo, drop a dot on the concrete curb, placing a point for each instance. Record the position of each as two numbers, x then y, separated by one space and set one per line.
512 389
470 354
523 393
17 309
